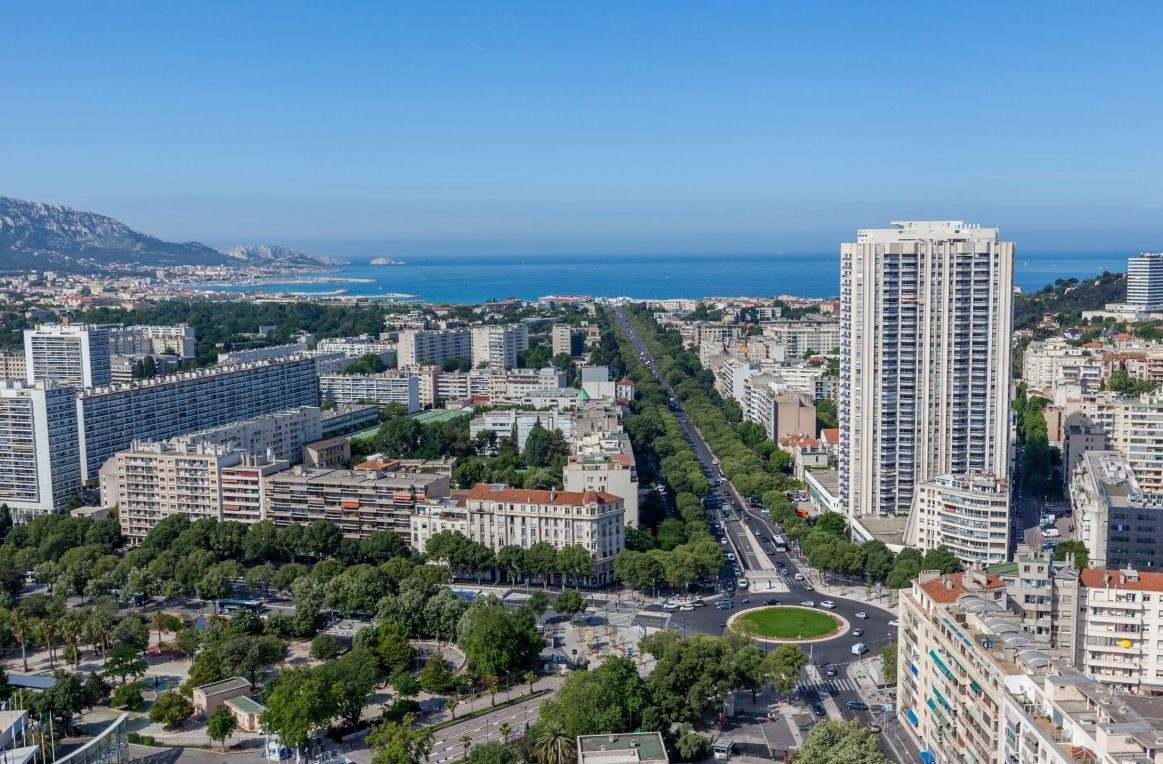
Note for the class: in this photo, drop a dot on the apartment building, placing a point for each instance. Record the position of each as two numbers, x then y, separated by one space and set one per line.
925 317
731 375
386 388
434 516
155 480
67 354
1145 281
778 411
498 345
464 385
122 368
594 417
40 467
13 366
499 516
110 418
179 340
969 514
561 339
327 454
280 436
1133 426
1118 521
596 382
518 424
518 383
421 346
252 355
1048 364
355 347
360 502
1044 592
973 687
605 463
820 336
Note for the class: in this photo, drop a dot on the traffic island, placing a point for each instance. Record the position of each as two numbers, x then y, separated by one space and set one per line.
788 623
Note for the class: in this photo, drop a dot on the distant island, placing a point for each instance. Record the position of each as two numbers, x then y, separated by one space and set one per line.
387 261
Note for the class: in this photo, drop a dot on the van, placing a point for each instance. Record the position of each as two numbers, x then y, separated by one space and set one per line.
859 648
1051 533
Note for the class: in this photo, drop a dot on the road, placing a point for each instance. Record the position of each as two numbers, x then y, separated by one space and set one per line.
742 525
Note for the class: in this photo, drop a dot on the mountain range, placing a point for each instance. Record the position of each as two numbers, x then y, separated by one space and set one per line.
37 236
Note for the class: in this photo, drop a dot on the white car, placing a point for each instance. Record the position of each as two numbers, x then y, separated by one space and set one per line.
828 604
862 614
807 603
799 576
687 608
894 622
669 606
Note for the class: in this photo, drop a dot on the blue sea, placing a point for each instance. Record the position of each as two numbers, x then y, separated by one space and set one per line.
476 278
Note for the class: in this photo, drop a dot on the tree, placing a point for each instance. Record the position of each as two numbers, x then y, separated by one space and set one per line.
551 745
530 677
784 665
569 603
905 568
128 696
436 676
840 742
221 725
574 560
466 741
537 446
297 706
492 753
691 746
21 624
325 647
214 586
124 662
1076 548
750 671
496 641
349 680
942 559
451 705
171 709
505 729
400 743
537 603
597 702
889 655
405 684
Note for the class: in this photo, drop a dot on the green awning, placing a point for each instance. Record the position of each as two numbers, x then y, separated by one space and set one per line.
941 698
975 687
940 717
940 664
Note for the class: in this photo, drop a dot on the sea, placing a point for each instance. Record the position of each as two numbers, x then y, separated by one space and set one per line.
478 278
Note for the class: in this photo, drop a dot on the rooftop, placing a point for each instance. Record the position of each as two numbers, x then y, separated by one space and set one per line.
1098 578
623 748
502 492
246 705
226 685
949 588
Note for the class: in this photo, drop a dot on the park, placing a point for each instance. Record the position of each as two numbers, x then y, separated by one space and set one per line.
786 623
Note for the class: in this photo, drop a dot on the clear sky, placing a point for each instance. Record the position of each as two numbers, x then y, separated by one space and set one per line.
588 126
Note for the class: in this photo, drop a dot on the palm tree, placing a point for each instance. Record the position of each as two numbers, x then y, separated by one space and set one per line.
72 627
99 630
158 620
530 677
505 731
552 745
491 684
452 703
20 625
466 741
49 633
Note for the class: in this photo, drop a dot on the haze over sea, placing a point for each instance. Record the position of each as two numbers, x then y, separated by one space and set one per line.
476 278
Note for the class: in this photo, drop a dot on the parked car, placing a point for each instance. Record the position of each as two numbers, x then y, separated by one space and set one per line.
687 608
894 622
831 672
818 710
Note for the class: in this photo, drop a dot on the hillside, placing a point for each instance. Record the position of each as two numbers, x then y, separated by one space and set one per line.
273 253
1069 297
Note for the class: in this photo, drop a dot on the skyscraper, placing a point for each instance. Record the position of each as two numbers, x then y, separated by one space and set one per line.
925 317
1145 281
40 468
68 354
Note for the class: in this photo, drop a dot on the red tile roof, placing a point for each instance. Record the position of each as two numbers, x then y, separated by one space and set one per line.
830 434
948 588
487 492
1099 578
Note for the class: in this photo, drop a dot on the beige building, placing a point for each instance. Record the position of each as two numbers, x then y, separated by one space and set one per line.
777 410
499 516
969 514
209 697
12 366
327 454
359 502
498 345
561 338
435 515
421 346
605 464
1117 520
1121 619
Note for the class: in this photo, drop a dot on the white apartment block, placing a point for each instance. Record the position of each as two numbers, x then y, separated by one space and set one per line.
518 424
803 336
361 502
40 466
498 346
68 354
434 516
973 687
159 479
969 514
500 516
561 339
777 410
1145 281
1133 426
596 382
522 382
925 317
420 346
731 376
606 465
179 340
1048 364
279 436
463 385
251 355
1120 616
355 347
1119 523
385 388
110 418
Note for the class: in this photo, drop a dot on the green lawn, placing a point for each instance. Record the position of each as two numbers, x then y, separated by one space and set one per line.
787 623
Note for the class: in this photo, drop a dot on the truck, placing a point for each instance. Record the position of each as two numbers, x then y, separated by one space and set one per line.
859 648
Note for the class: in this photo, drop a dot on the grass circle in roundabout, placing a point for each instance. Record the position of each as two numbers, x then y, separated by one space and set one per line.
787 623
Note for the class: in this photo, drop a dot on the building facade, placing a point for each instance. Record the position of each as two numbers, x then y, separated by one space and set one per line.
68 354
1119 523
40 466
279 436
420 346
498 346
561 339
969 514
389 387
179 340
925 322
1145 281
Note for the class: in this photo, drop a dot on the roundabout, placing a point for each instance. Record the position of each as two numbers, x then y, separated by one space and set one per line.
788 623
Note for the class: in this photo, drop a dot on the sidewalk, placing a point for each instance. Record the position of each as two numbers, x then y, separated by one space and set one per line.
876 595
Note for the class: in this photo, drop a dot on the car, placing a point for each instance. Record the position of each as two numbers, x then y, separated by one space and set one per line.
829 604
780 564
730 555
746 600
894 622
831 672
723 540
862 615
857 705
724 605
799 576
722 624
687 608
807 603
858 632
771 601
697 602
669 606
808 587
818 710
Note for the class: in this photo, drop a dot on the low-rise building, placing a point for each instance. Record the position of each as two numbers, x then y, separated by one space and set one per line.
327 454
209 697
436 515
606 467
622 748
518 424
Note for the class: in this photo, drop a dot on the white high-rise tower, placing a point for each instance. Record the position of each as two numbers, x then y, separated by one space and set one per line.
68 354
925 321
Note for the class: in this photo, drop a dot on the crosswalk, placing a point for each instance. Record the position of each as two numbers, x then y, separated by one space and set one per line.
829 684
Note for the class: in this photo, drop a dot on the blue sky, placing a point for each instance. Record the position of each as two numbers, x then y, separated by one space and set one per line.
588 127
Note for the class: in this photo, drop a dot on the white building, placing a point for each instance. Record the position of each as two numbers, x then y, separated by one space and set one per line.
518 424
969 514
595 380
419 346
434 516
179 340
1048 364
1145 281
110 418
40 466
500 516
280 435
818 336
498 345
68 354
561 338
355 347
250 355
925 316
13 366
604 463
1120 617
388 387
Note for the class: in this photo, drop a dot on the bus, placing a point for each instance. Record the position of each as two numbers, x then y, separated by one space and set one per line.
779 542
229 607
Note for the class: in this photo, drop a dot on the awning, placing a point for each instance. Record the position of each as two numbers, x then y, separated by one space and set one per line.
941 698
975 687
940 717
940 664
928 758
916 671
912 717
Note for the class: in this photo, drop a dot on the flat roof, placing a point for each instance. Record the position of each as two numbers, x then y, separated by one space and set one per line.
233 683
440 415
622 747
